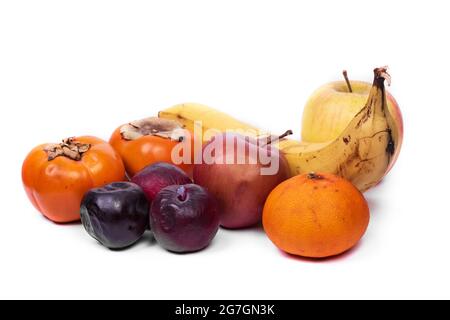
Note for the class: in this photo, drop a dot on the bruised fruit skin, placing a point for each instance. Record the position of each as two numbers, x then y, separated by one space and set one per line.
332 107
184 218
56 176
363 153
315 215
155 177
148 141
116 215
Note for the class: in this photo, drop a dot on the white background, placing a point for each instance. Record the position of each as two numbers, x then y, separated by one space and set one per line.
85 67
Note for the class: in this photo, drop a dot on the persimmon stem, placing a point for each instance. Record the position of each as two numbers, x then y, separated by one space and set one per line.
349 86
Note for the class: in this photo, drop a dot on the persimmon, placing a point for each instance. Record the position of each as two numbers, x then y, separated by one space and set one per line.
151 140
56 176
315 215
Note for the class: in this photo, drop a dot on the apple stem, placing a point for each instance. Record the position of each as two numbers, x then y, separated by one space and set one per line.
349 86
284 135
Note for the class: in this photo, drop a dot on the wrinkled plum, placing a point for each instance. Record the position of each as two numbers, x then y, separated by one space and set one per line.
116 215
159 175
184 218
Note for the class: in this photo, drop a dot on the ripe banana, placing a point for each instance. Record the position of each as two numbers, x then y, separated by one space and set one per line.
361 154
211 119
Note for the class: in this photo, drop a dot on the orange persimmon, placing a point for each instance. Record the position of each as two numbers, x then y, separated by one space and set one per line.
151 140
56 176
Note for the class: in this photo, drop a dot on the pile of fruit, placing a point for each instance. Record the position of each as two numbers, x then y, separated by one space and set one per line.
150 176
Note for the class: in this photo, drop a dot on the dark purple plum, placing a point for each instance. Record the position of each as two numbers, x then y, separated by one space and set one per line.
116 215
184 218
159 175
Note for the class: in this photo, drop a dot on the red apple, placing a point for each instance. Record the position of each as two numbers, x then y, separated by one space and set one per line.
240 172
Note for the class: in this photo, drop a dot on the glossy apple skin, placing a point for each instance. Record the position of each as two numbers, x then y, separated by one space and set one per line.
184 218
331 108
240 189
155 177
116 215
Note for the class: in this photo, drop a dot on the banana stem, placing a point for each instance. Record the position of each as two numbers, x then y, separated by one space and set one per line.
349 86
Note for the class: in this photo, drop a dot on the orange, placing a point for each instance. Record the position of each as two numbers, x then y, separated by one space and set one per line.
315 215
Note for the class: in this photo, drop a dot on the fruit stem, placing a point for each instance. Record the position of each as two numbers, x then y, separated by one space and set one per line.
314 176
284 135
381 73
181 194
349 86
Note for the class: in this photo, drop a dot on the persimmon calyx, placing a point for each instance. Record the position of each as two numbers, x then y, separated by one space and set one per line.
68 148
164 128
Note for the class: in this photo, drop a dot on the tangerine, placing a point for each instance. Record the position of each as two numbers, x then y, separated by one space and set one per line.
315 215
